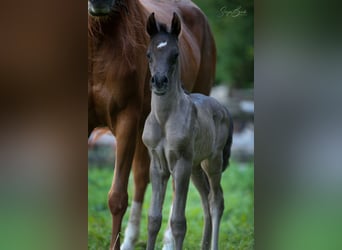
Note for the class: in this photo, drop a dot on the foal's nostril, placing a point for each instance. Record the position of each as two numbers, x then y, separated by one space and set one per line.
159 81
164 79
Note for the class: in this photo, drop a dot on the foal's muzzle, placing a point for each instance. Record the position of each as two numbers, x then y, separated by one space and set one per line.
159 84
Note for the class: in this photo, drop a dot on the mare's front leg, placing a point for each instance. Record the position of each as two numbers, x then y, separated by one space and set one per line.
126 133
141 163
159 176
181 175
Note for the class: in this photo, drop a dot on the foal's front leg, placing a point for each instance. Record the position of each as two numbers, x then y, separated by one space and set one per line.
159 177
181 175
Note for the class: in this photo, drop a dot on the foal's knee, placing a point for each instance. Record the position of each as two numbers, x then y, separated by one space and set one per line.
117 202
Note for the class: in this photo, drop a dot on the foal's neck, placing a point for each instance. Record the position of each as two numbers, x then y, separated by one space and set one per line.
174 100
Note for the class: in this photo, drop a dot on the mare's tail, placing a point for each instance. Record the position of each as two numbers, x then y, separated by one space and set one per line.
227 147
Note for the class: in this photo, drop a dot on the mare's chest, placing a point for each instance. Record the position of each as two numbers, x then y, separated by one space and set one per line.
116 79
116 71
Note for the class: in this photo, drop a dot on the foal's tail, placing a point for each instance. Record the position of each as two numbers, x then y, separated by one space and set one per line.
227 147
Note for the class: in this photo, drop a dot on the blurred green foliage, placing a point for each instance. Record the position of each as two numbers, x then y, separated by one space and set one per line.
233 28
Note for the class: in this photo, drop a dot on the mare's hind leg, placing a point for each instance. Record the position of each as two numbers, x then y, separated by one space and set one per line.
216 202
200 181
141 163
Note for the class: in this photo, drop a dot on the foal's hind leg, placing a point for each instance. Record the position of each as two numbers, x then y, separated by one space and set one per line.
141 163
214 173
200 181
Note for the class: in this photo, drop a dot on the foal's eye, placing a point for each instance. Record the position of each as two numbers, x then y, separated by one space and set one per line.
148 56
174 57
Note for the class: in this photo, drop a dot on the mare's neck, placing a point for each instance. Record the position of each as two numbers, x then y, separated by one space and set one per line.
122 26
119 36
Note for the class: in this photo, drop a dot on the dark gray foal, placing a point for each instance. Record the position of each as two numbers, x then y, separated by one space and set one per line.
187 135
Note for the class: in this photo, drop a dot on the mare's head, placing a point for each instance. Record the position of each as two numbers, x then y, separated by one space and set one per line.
104 7
163 52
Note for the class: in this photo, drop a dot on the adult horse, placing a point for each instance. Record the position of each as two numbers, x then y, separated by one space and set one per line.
119 86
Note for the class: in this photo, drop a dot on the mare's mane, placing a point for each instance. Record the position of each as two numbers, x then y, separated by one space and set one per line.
121 29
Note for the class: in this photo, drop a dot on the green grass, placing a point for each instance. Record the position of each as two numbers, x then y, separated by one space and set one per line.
237 224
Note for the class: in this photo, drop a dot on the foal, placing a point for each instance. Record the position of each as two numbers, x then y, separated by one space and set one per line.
187 136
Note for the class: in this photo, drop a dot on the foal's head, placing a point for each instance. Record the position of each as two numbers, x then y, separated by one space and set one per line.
163 52
103 7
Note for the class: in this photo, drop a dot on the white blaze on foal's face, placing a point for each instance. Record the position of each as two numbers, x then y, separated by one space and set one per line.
161 45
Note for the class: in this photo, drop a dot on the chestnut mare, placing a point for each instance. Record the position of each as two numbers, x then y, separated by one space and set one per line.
119 87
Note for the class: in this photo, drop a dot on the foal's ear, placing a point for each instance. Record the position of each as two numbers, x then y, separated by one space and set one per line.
175 24
152 26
